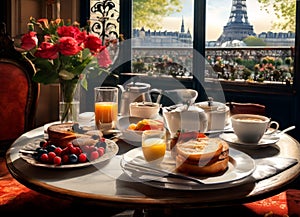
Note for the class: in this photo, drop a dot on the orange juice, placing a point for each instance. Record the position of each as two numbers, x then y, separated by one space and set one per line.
154 148
106 112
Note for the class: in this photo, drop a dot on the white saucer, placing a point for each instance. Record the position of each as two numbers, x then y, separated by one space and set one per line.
231 138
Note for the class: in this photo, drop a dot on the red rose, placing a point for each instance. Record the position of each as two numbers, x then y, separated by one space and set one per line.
93 43
29 41
68 31
81 37
47 51
104 58
68 46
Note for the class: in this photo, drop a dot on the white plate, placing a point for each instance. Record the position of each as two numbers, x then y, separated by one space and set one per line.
232 139
240 167
111 150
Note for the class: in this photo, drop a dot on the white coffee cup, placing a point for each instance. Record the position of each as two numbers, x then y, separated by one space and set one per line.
250 128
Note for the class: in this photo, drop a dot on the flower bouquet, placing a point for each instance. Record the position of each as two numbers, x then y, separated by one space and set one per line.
62 56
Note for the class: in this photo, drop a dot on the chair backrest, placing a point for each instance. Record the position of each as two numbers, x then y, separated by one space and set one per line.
18 92
246 108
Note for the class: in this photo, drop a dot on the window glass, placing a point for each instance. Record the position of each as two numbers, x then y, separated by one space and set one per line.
246 41
162 37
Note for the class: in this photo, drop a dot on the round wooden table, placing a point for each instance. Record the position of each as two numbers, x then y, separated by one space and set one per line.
107 185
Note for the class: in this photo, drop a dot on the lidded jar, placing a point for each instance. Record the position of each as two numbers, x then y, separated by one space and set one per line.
217 113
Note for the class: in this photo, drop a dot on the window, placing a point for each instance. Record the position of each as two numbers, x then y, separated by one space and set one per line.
202 45
243 44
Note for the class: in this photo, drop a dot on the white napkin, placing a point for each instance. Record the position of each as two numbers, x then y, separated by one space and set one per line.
271 166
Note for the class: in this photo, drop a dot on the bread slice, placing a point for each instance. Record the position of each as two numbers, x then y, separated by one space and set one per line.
63 133
202 157
196 150
208 170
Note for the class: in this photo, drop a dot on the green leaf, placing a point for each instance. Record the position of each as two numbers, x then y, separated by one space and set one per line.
84 83
44 77
45 72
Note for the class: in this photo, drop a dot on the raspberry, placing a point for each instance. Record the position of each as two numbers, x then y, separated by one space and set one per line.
94 155
51 156
70 144
101 151
45 144
85 148
65 158
44 158
57 160
65 151
58 151
82 158
73 150
92 149
42 143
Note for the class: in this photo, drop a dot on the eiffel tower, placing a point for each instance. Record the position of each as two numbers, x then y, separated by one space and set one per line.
238 26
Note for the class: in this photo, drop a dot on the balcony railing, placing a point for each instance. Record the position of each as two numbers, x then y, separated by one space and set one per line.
251 64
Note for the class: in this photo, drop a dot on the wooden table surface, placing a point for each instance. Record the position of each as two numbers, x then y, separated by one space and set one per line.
106 184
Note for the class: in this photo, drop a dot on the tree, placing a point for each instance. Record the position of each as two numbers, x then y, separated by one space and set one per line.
254 41
285 11
149 14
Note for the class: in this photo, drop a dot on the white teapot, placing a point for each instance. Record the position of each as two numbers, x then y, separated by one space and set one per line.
184 118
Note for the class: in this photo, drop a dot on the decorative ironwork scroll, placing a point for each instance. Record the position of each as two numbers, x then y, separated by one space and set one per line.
105 19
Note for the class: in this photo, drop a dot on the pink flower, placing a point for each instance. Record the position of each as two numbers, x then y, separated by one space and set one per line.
104 58
29 41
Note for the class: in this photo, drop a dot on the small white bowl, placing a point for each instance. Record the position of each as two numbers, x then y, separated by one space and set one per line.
144 109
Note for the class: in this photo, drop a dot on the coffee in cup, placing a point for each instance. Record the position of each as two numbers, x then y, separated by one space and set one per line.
250 128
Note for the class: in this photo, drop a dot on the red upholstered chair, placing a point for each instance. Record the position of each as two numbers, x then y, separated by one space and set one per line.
18 93
246 108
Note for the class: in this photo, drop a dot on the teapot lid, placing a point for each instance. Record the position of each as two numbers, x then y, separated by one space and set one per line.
137 87
210 105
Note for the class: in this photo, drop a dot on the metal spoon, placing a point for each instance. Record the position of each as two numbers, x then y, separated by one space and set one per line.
277 135
286 130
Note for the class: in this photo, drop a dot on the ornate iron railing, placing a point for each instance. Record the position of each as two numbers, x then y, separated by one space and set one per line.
237 63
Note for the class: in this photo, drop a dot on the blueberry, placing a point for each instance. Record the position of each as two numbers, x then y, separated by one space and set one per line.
51 148
41 151
73 158
95 137
101 144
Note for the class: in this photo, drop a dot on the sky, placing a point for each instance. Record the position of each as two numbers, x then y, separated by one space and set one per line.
218 12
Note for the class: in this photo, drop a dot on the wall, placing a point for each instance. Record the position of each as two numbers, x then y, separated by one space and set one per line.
21 11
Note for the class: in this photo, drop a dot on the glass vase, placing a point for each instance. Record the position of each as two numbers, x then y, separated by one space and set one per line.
69 100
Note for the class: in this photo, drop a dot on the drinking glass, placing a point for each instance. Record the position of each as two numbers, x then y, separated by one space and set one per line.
154 145
106 107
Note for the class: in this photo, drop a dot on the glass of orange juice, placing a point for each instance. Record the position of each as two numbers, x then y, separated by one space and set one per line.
106 107
154 145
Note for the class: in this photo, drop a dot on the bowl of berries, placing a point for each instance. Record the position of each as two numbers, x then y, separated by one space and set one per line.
80 152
